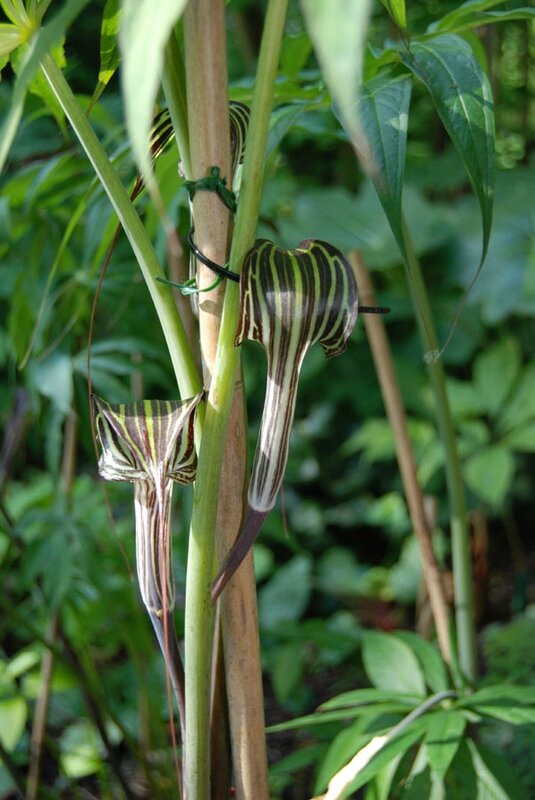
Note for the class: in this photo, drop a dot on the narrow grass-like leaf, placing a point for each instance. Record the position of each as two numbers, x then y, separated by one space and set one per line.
289 300
145 29
383 109
40 45
462 95
360 697
338 32
473 14
109 49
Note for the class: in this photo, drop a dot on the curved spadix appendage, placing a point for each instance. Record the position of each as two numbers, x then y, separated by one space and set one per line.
151 444
289 300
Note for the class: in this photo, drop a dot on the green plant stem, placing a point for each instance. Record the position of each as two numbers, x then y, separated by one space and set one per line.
460 541
186 371
201 547
174 86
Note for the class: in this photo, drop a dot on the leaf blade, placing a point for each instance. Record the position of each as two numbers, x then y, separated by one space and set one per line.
145 29
384 111
462 96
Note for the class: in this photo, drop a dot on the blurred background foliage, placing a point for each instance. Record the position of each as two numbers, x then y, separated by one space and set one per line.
337 555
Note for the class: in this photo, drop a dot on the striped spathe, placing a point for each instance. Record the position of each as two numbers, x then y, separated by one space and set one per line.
289 300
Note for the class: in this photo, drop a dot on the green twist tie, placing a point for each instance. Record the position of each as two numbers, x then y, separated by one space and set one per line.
213 183
190 286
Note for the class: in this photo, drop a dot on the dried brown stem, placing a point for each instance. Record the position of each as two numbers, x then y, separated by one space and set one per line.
396 414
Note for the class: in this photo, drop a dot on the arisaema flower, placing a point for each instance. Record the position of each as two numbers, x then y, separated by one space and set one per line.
151 444
289 300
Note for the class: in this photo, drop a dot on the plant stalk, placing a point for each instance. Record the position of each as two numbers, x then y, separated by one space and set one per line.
175 336
460 541
203 524
395 410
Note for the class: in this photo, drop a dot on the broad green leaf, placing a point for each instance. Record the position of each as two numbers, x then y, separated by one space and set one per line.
40 45
53 378
434 669
522 438
146 26
396 9
13 714
463 98
109 51
286 595
495 372
392 748
489 473
502 693
444 733
391 664
520 406
338 32
286 670
490 786
295 53
342 749
383 109
81 750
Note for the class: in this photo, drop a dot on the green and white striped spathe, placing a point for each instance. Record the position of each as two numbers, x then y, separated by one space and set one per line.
150 443
289 300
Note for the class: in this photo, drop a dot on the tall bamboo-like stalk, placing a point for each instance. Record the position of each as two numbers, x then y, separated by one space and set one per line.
460 541
220 401
393 401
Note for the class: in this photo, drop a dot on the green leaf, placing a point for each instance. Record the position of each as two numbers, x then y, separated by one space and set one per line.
286 595
295 53
13 714
434 669
145 30
39 85
489 473
489 785
506 693
81 750
10 37
109 51
286 670
463 98
495 372
383 109
522 438
520 406
473 15
396 9
393 748
359 697
53 379
338 32
41 44
444 733
391 664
